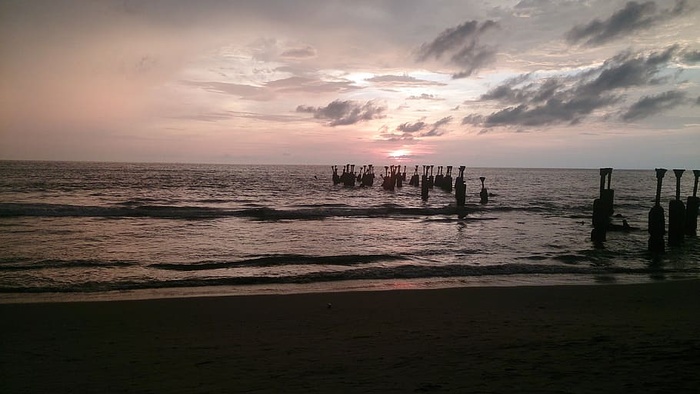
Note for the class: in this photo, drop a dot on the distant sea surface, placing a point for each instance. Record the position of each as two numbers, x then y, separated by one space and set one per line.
111 231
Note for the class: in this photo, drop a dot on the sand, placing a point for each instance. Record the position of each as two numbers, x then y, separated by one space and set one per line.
577 339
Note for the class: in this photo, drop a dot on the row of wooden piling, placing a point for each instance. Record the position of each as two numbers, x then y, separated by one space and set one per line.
683 219
394 178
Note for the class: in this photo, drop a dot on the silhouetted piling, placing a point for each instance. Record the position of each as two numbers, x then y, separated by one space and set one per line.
447 181
424 187
676 214
368 175
336 177
607 196
348 177
602 210
691 209
439 177
484 193
431 178
415 179
388 183
399 178
460 188
657 221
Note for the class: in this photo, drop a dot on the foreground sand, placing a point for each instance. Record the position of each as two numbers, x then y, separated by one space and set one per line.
623 338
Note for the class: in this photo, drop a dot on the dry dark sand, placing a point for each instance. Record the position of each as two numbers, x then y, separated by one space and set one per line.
604 338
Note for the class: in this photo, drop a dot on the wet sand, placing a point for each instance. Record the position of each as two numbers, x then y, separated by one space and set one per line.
577 339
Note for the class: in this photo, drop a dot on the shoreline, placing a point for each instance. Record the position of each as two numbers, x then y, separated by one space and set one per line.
436 283
610 338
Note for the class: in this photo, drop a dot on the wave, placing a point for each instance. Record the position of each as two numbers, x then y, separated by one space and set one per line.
410 271
279 260
15 265
189 212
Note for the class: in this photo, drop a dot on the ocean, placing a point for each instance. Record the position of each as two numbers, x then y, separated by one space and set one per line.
78 230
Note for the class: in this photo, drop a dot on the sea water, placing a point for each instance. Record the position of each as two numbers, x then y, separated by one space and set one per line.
116 230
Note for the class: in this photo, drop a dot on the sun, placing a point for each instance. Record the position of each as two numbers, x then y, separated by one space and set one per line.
399 153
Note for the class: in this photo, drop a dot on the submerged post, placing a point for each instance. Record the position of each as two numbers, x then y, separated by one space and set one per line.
447 181
691 209
676 214
601 210
460 188
484 193
657 221
415 179
424 186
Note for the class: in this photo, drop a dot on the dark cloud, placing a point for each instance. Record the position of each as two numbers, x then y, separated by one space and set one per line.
411 127
425 96
569 99
697 101
461 44
691 57
402 80
341 113
634 16
650 105
436 129
299 53
409 131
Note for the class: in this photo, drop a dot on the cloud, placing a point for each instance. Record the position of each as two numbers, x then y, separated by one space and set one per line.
650 105
425 96
409 131
634 16
570 98
299 53
402 80
411 127
691 57
461 44
342 113
272 89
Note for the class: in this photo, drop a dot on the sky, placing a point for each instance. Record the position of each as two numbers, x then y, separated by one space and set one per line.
499 83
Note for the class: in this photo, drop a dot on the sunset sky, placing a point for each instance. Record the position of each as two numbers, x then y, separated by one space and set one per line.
490 83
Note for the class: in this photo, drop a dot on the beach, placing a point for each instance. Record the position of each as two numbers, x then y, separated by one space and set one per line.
579 339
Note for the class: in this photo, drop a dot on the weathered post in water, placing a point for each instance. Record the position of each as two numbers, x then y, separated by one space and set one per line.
424 186
447 181
336 177
484 193
676 214
691 209
657 221
607 196
602 207
399 178
461 193
439 177
431 178
460 188
415 179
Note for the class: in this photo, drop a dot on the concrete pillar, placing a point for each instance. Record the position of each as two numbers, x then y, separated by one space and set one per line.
691 209
676 214
657 220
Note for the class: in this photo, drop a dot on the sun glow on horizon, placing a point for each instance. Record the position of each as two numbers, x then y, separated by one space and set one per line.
399 153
